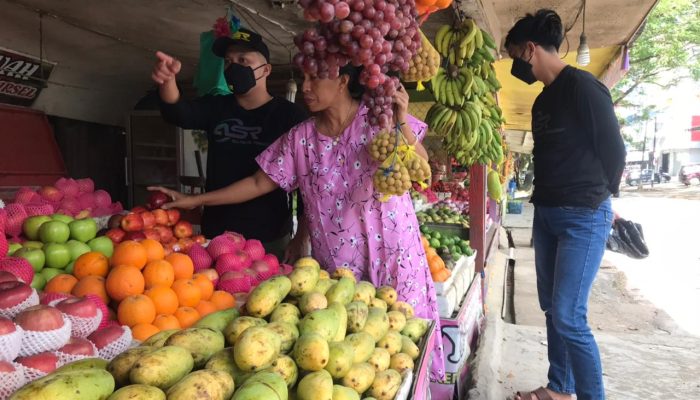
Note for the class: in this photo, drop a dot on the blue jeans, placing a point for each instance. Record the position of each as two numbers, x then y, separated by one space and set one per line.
569 245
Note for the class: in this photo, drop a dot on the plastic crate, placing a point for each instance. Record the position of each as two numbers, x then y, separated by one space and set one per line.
514 207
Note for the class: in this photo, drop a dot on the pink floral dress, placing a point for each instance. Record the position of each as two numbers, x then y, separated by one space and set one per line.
349 226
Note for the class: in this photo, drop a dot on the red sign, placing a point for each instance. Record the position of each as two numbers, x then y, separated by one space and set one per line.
695 129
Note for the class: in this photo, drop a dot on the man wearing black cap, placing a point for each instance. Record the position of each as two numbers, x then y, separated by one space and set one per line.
239 127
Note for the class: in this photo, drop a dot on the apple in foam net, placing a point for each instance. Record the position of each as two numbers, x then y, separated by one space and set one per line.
7 326
7 367
106 336
46 362
78 307
13 293
40 318
7 277
78 347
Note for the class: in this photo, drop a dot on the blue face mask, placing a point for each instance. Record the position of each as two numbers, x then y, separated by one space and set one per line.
523 70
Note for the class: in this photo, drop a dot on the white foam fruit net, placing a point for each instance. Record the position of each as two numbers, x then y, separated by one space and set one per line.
11 312
35 342
10 344
64 358
11 381
31 374
82 327
118 346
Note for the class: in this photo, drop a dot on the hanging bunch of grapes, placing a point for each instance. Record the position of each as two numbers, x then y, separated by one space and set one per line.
380 35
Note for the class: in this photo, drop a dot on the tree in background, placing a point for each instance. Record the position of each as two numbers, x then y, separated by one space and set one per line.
666 52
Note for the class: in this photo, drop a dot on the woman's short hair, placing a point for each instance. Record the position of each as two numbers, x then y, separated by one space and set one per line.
356 89
544 28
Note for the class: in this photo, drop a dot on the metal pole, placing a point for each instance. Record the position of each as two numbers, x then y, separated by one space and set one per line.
644 150
652 159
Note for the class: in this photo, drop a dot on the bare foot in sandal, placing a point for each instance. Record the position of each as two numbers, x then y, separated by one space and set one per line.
541 393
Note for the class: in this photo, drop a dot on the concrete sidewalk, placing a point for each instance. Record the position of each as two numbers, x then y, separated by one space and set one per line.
644 354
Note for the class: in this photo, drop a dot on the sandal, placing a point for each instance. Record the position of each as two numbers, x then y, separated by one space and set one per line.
539 394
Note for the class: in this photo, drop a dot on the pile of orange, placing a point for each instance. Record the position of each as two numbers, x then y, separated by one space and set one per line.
438 270
149 290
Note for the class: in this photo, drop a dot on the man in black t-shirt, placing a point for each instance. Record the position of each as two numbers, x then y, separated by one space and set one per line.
239 127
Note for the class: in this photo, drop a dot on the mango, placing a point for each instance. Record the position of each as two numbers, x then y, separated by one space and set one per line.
342 272
307 262
86 384
344 393
311 352
342 292
377 324
287 332
323 285
397 320
342 321
204 384
340 359
262 385
415 328
272 380
410 348
267 295
223 361
201 342
362 344
286 312
378 303
391 342
404 308
218 320
312 301
256 348
401 361
138 392
158 340
121 365
385 385
360 377
494 186
357 315
303 279
380 359
238 326
388 295
323 275
163 367
316 386
324 322
285 367
86 363
364 292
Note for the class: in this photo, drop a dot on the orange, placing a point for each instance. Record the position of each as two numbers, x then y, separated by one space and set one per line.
158 273
182 264
206 307
123 281
91 263
63 283
130 253
91 284
205 286
187 316
154 250
188 293
164 298
222 300
137 309
144 331
166 321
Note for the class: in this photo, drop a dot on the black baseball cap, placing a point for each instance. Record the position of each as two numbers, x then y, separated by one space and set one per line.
243 38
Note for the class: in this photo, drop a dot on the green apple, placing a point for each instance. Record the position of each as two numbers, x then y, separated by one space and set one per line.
32 244
12 248
35 257
83 229
77 249
54 232
57 255
31 225
69 267
49 273
63 218
38 282
103 244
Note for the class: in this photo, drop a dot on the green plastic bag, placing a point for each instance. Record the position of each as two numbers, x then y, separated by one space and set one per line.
209 79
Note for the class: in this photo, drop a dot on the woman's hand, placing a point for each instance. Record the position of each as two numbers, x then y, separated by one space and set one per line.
297 248
179 200
401 104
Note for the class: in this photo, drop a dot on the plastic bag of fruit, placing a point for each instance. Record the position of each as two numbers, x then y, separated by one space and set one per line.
424 65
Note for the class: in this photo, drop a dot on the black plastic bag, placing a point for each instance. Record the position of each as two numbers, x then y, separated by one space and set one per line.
627 237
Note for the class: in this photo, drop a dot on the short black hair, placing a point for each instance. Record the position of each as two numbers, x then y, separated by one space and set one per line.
544 28
354 86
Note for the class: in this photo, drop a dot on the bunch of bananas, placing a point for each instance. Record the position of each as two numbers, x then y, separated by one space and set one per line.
458 43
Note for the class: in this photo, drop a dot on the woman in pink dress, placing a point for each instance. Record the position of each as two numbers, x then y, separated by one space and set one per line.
326 158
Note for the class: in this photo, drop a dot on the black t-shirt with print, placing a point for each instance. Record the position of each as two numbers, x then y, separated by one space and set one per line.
236 136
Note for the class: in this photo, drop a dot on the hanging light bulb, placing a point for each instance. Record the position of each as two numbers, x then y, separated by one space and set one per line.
583 56
291 90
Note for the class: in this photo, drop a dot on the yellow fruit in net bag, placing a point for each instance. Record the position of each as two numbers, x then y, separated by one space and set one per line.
424 65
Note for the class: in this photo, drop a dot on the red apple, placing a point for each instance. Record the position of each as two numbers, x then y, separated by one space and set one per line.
237 239
182 229
50 193
234 275
138 209
157 199
135 236
185 244
7 367
210 273
106 336
116 234
251 273
199 239
40 318
166 234
79 347
78 307
173 216
13 293
149 220
161 216
7 276
132 222
151 234
115 221
46 362
260 266
7 326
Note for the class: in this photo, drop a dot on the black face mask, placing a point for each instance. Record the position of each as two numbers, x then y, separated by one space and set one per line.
523 70
240 79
